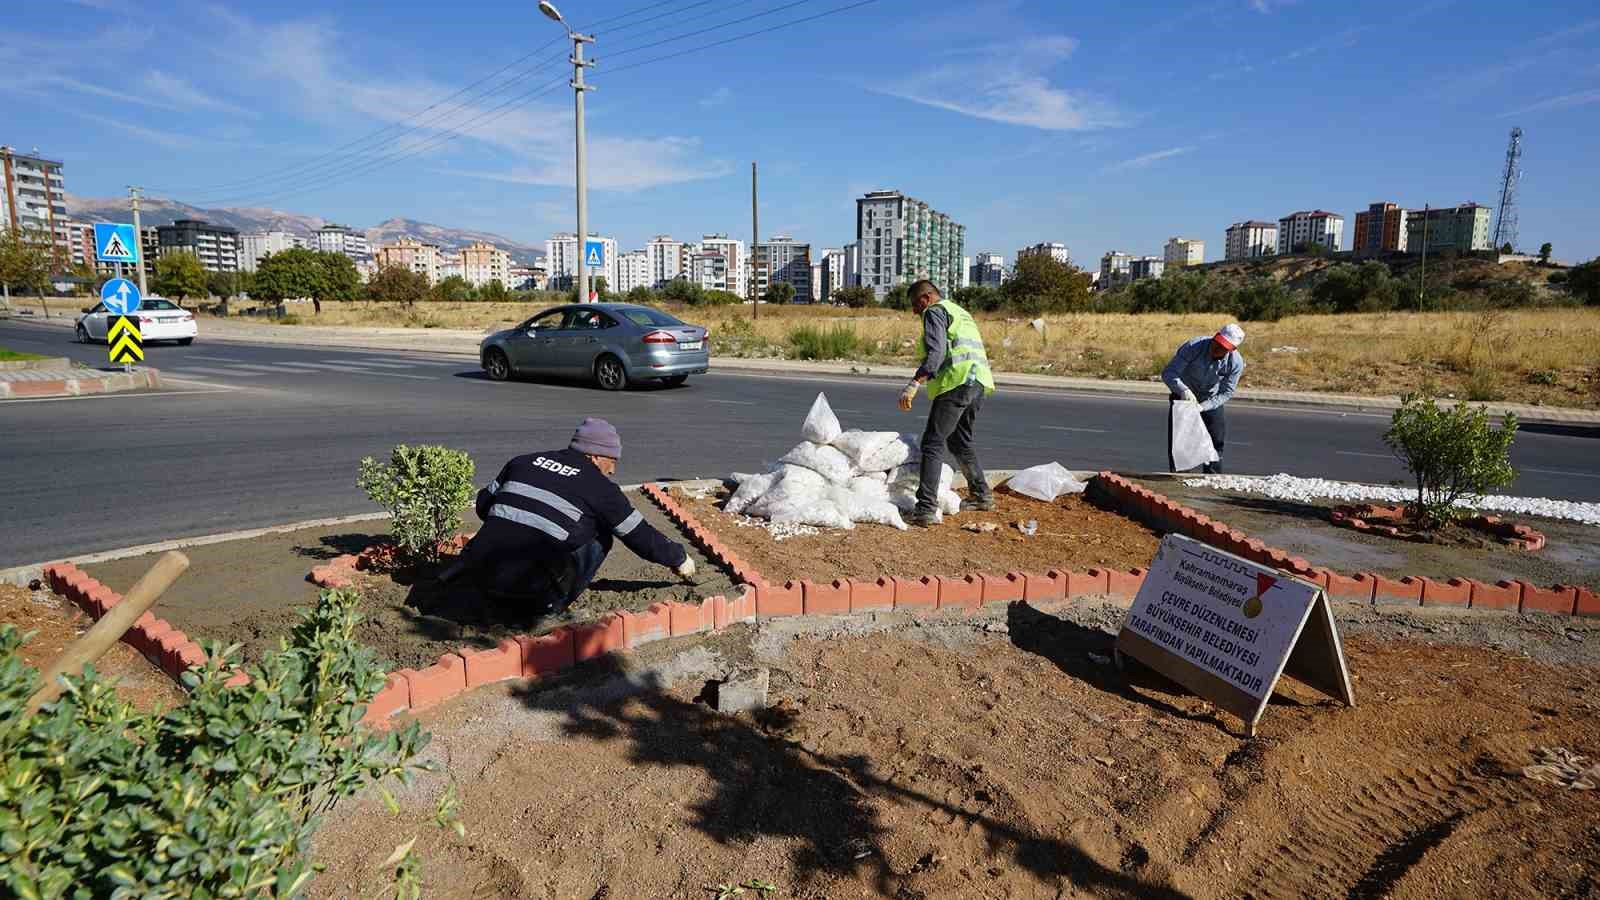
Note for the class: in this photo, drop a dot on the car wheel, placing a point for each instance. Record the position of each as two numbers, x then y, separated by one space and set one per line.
83 335
609 373
675 380
184 342
497 365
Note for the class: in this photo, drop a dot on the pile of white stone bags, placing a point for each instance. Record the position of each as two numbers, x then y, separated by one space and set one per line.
836 478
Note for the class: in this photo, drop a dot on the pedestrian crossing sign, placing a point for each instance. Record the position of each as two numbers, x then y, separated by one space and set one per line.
594 254
124 340
115 243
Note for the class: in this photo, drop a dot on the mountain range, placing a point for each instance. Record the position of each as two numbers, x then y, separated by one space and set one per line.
161 211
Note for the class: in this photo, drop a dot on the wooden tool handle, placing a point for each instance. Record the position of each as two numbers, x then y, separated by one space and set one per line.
103 634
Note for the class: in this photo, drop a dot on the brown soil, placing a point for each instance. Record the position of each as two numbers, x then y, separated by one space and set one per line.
999 758
56 623
247 592
1570 556
1073 534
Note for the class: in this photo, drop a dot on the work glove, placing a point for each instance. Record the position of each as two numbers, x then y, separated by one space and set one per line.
908 395
686 568
1189 396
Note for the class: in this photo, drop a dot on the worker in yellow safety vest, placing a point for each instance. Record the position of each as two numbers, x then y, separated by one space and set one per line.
955 369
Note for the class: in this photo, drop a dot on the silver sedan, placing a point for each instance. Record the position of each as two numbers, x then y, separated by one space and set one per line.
612 343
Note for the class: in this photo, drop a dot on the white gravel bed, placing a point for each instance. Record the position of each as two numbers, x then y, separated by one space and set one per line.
1290 487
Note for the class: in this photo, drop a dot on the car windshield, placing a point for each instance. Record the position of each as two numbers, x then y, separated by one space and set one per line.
155 303
643 315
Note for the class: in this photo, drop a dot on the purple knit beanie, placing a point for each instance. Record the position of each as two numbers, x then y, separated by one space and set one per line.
596 437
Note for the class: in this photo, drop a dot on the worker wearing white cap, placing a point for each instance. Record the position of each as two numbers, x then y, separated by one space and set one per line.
1207 370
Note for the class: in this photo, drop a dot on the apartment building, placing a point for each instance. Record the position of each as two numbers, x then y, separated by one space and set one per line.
217 246
903 239
33 197
666 259
733 250
79 244
782 258
1054 250
561 253
831 273
1180 252
411 254
633 271
1146 267
709 269
1250 240
482 262
1114 269
1462 228
450 265
1313 226
1380 229
988 270
254 245
341 239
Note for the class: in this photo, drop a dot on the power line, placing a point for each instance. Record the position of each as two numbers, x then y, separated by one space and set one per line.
301 168
445 136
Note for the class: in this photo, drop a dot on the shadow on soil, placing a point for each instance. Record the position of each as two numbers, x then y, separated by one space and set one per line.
332 545
767 786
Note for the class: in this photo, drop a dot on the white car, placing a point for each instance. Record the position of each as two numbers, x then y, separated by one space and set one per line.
159 320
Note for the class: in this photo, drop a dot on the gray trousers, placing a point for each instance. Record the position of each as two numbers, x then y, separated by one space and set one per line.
950 423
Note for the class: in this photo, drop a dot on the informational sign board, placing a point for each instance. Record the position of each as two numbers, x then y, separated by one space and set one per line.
594 254
115 243
120 296
125 343
1228 629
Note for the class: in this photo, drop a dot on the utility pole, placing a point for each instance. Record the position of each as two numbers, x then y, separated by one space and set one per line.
578 87
136 194
1422 276
755 237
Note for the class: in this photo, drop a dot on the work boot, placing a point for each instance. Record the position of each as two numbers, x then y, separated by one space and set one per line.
923 519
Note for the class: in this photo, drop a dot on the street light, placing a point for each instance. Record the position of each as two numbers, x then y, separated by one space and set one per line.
578 87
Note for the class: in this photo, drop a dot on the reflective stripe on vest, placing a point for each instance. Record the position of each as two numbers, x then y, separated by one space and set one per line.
966 360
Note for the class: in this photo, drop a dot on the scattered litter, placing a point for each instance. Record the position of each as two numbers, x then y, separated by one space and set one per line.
981 527
1046 482
1105 760
780 531
1287 349
1029 528
1563 768
1289 487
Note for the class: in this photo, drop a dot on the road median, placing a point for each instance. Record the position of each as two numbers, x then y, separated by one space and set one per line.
56 378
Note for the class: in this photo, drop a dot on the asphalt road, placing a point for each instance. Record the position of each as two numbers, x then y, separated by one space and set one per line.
248 435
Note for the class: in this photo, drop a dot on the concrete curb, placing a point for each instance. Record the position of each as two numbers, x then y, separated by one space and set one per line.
73 384
54 362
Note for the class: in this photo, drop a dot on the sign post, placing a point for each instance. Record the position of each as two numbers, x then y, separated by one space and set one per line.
1228 629
124 343
594 257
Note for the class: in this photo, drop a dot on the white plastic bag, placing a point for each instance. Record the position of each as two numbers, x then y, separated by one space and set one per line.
1046 482
821 426
860 444
822 459
792 485
910 476
894 453
904 500
751 488
867 500
820 512
1191 443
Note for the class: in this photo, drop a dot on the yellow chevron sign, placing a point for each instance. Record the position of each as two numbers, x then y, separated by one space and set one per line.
127 345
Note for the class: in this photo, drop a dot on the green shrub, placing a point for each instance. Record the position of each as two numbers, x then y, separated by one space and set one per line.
1454 455
1544 376
1265 300
218 797
424 488
1559 276
837 342
858 297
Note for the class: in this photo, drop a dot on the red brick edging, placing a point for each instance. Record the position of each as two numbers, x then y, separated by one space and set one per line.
1373 519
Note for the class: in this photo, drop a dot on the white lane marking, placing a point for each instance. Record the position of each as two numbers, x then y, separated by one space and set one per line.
734 402
266 370
226 373
352 370
226 359
388 365
117 396
1070 428
1560 472
1370 455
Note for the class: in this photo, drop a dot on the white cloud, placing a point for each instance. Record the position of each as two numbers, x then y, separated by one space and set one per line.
1564 101
1146 160
1564 34
1008 83
616 164
717 97
1267 6
183 94
168 139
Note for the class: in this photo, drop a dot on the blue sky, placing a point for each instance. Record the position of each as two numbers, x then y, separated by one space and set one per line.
1100 125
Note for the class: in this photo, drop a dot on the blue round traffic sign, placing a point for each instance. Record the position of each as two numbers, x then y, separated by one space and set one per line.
120 296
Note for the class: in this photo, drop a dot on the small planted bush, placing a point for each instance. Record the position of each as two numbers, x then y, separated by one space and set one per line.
218 797
834 342
1454 455
424 488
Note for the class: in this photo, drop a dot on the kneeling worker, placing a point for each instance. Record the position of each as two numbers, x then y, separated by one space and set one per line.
1206 369
549 520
